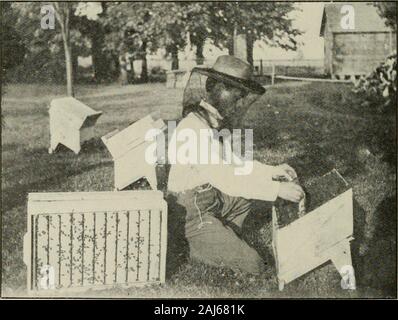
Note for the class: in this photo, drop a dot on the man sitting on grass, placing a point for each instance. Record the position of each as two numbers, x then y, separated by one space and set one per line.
215 196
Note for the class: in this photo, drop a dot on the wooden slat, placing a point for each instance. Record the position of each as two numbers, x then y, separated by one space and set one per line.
111 244
94 205
29 252
144 243
77 249
88 270
155 234
133 246
65 259
42 254
100 253
54 248
163 243
139 196
33 247
122 247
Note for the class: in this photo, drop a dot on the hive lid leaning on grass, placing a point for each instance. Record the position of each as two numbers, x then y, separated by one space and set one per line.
75 111
128 149
302 242
317 192
119 142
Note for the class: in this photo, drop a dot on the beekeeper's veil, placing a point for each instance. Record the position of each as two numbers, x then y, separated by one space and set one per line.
227 69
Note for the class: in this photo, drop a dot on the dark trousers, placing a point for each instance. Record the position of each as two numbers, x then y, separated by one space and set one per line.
213 222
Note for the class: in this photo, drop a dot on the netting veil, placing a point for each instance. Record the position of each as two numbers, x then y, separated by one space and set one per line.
195 91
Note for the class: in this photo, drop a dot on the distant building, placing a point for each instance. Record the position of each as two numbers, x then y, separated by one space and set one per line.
356 51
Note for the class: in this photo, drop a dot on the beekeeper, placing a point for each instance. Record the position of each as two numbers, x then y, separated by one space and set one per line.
213 197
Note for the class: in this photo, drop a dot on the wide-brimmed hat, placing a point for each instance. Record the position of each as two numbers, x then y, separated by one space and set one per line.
233 71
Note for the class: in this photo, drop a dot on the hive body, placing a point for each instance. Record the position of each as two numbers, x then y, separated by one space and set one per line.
71 123
323 233
128 148
76 241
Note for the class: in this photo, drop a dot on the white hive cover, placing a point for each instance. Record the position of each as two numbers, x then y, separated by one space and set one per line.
119 142
76 111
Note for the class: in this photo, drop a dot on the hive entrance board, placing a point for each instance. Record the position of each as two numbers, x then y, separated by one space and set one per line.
71 123
322 233
81 240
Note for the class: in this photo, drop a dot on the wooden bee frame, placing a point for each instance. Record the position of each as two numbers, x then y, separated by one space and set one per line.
81 240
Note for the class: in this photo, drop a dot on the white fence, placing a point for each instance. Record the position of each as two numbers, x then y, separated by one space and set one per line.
261 66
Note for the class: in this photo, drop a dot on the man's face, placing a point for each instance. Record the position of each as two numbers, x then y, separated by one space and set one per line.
225 98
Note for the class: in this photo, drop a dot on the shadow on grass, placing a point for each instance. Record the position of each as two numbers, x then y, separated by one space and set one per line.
94 145
377 268
16 195
91 146
260 216
177 243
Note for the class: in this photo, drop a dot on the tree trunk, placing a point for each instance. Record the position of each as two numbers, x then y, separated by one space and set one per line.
115 66
69 68
174 57
144 66
199 53
123 78
100 64
130 70
231 46
75 64
231 41
249 48
240 46
63 19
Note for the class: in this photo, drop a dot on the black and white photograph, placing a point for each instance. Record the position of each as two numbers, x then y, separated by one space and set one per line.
198 150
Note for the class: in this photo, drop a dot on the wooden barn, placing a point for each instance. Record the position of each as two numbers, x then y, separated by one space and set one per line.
351 52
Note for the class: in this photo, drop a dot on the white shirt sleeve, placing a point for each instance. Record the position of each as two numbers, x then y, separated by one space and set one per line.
254 182
241 178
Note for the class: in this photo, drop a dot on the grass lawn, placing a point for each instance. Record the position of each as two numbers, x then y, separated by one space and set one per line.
313 126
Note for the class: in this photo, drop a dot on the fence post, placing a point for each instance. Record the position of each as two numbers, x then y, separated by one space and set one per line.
273 74
261 67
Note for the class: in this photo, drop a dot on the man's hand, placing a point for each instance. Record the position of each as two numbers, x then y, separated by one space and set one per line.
284 171
290 191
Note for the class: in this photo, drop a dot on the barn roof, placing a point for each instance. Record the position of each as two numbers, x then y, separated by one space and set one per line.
367 18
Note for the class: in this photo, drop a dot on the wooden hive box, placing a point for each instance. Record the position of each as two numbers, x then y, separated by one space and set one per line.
302 242
81 240
127 148
71 123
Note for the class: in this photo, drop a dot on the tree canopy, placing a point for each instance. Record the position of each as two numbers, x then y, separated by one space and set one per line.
388 10
140 28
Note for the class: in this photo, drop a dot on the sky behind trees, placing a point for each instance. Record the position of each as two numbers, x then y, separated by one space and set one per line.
307 18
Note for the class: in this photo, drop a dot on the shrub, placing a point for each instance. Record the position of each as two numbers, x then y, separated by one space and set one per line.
380 86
